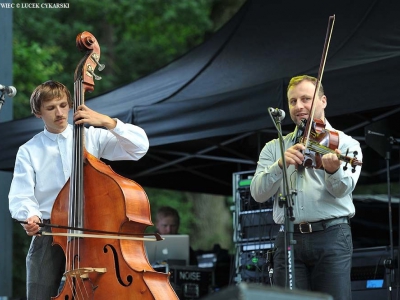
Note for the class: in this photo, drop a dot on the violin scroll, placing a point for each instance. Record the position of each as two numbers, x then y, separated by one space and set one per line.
352 161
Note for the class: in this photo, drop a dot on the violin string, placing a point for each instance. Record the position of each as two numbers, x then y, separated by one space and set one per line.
320 148
325 150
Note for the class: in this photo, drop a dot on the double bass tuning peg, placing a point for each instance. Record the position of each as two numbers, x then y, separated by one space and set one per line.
92 73
95 58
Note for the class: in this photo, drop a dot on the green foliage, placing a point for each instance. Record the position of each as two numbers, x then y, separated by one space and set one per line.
44 68
150 34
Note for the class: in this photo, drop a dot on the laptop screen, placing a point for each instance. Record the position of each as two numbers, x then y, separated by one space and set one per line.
174 247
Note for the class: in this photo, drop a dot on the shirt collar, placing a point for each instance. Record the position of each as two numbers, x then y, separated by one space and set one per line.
53 136
296 134
328 125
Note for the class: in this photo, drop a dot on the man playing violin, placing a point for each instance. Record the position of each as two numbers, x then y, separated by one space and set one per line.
322 199
43 166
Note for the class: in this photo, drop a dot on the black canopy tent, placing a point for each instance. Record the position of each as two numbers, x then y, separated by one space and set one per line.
206 112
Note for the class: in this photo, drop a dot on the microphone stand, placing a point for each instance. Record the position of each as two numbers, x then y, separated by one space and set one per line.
389 263
285 199
2 100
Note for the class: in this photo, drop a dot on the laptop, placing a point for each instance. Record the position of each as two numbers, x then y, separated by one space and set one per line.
174 249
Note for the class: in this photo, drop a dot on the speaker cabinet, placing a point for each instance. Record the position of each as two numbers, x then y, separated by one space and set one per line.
245 291
257 226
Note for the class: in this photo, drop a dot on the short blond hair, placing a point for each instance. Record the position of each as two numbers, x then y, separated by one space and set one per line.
297 79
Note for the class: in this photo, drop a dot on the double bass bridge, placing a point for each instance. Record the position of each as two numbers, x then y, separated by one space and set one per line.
83 273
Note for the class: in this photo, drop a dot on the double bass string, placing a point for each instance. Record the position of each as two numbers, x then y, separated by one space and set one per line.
75 217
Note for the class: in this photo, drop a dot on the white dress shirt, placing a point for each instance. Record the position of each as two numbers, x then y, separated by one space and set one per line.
43 164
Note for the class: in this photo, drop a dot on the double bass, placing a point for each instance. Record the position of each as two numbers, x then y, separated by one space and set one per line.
112 265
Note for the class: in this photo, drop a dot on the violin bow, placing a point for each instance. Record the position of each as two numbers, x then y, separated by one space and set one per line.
328 36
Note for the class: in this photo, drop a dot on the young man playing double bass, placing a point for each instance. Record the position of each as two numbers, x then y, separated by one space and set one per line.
322 199
43 166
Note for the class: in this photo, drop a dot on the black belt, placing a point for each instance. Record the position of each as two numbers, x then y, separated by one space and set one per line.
308 227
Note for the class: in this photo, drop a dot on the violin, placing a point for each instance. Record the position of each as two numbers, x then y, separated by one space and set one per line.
323 141
316 138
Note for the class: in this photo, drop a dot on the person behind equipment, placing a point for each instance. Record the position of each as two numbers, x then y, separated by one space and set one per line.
167 220
43 166
322 200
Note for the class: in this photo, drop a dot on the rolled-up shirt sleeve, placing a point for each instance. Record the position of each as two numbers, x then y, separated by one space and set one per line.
124 142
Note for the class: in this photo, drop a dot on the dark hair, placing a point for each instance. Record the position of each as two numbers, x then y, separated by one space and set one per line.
47 91
167 211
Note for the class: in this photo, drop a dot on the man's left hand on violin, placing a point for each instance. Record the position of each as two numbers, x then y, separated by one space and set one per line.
331 162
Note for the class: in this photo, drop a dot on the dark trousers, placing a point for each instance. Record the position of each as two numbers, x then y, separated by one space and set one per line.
322 261
45 265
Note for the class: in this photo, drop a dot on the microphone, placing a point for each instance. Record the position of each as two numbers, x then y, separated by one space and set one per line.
276 112
9 90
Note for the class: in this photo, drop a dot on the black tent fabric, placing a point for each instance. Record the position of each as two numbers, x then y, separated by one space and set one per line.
206 112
